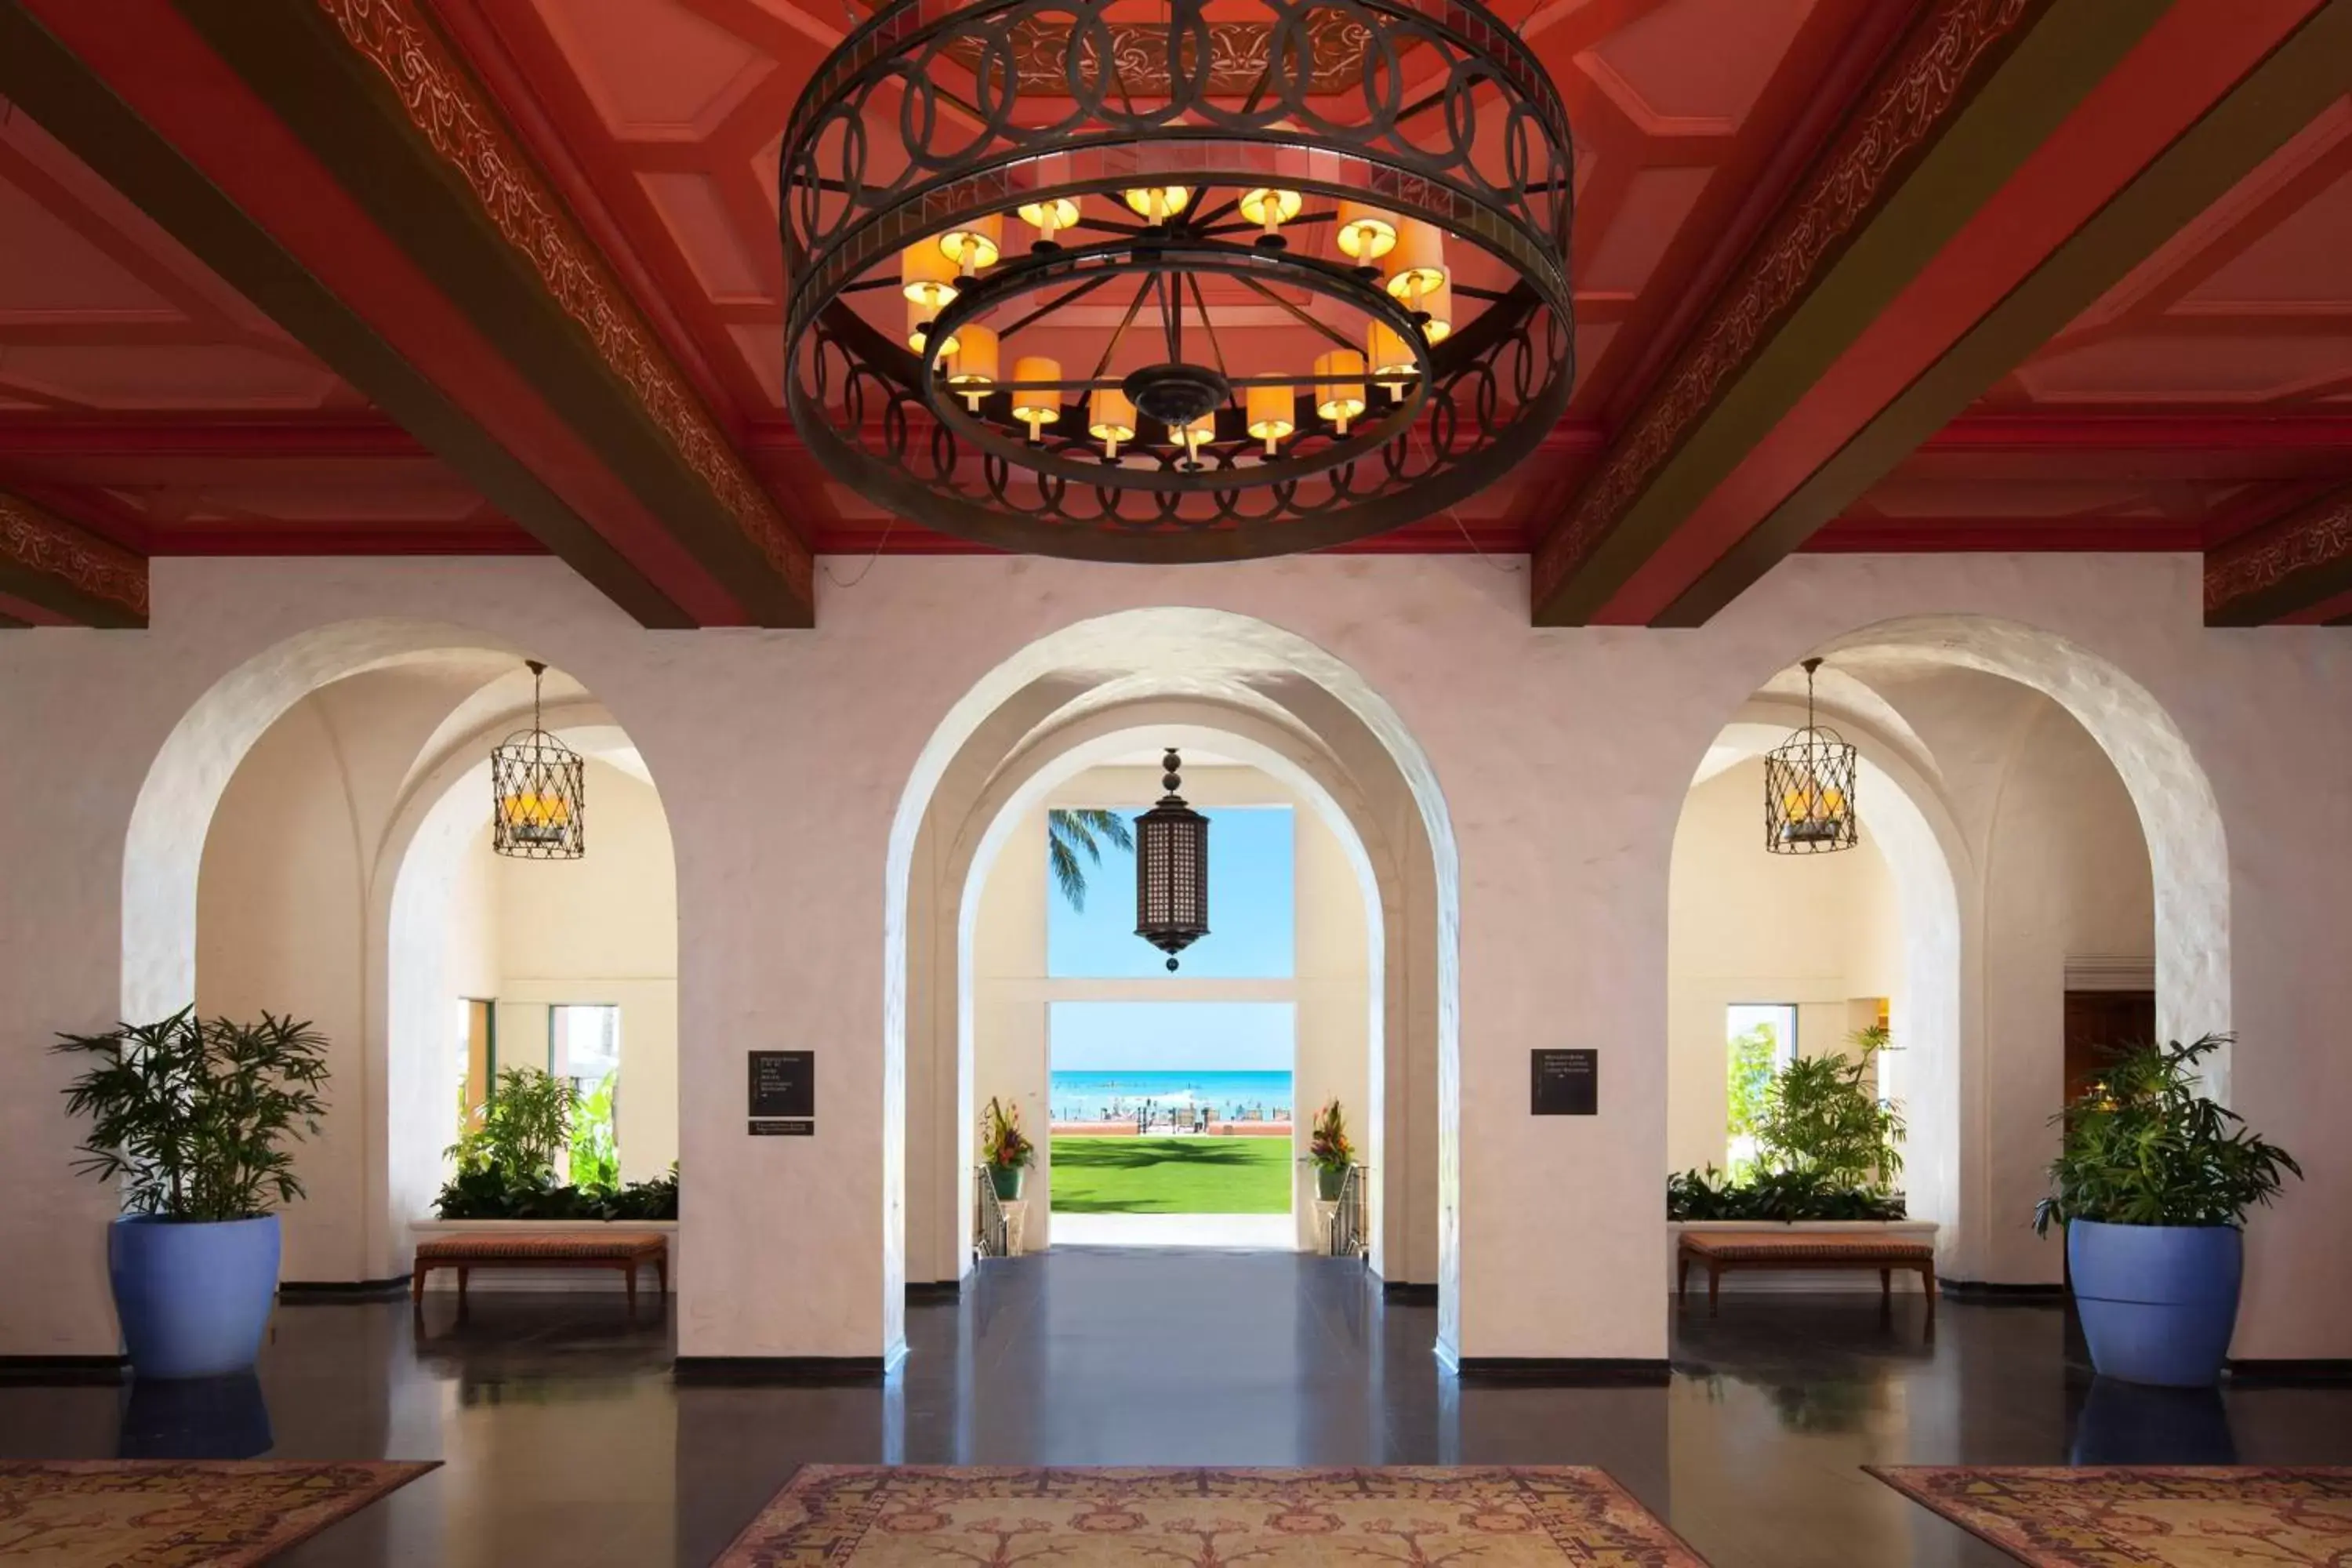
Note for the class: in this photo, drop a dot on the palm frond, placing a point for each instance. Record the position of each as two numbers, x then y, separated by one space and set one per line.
1068 875
1069 830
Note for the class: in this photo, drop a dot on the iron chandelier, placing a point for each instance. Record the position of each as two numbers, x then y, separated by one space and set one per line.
1176 279
1171 868
538 791
1809 788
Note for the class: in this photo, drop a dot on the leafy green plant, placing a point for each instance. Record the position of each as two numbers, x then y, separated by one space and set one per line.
1003 1146
1822 1117
2144 1145
1084 830
522 1128
595 1141
191 1114
488 1193
1784 1195
1327 1140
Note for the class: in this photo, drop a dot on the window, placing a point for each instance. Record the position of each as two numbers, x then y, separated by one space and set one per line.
476 1054
1250 909
1760 1038
584 1043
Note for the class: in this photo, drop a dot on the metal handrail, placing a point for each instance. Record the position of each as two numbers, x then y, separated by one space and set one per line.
990 1240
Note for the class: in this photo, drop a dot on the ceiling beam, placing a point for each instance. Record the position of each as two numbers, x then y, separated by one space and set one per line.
52 566
1997 130
474 423
2240 122
384 101
2302 563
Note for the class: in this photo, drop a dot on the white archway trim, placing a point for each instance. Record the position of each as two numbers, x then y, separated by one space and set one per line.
1177 644
163 848
2179 816
1934 883
405 1089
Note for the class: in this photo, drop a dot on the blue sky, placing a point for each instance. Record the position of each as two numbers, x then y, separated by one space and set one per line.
1250 923
1172 1036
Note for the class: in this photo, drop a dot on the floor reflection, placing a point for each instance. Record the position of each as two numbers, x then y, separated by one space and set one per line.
567 1441
196 1419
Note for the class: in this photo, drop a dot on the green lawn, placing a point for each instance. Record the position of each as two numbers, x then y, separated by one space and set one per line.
1172 1175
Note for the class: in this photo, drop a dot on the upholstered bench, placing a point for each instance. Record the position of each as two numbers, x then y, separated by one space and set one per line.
1723 1250
626 1250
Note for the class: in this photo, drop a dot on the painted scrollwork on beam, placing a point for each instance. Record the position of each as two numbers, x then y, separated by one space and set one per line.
2300 560
451 113
51 563
1931 79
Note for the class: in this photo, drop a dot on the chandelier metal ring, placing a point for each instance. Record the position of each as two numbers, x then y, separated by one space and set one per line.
1183 166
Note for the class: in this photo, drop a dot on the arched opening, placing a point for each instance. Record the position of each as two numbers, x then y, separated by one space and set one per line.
1327 983
2046 841
313 839
1224 684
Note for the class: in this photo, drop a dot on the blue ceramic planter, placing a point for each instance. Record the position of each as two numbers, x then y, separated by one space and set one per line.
193 1297
2158 1302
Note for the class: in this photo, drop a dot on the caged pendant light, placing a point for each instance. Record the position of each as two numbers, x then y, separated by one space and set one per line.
537 790
1171 869
1809 788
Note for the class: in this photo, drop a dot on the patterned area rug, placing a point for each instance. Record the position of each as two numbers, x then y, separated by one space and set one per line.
170 1513
876 1517
2127 1516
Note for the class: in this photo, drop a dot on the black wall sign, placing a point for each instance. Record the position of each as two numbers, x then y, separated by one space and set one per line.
1565 1083
784 1094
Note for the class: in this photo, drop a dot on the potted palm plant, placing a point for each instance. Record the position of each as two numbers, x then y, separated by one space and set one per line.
1007 1148
2152 1184
191 1117
1329 1151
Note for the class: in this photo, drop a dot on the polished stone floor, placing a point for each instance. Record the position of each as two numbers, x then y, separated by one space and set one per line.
567 1442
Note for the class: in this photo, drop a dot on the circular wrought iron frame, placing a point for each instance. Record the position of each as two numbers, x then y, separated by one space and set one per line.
870 409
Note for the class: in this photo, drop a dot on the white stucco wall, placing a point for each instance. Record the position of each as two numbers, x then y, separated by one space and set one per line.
784 758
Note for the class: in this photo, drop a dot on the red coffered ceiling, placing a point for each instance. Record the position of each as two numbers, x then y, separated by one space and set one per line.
143 397
2207 392
664 118
2203 401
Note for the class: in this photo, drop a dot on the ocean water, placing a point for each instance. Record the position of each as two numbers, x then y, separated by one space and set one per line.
1085 1096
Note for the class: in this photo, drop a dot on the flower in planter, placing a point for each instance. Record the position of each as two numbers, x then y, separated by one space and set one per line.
1003 1144
1327 1142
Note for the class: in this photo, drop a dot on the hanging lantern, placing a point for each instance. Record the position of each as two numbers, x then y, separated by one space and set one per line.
1809 788
1171 869
537 790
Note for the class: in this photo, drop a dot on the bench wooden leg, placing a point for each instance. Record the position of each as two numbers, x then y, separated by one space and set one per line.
629 1273
416 1285
1714 1287
1681 1276
661 1279
1927 1283
465 1278
1887 1289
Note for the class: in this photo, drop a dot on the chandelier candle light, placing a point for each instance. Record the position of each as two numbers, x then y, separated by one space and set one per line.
1171 868
1282 277
538 791
1809 788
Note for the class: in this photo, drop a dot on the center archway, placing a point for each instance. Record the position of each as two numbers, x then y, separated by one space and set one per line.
1080 695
